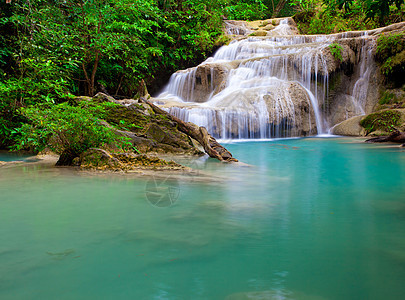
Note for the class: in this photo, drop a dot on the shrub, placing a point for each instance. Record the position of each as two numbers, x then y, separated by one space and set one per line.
67 130
336 51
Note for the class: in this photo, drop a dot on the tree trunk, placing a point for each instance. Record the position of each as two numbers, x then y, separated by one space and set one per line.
66 158
93 74
279 7
87 87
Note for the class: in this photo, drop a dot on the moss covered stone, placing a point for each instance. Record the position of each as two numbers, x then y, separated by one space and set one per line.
385 121
101 160
126 118
259 33
391 56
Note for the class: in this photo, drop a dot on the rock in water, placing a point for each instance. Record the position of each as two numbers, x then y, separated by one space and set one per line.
350 127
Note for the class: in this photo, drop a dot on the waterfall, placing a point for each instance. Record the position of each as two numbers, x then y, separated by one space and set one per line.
360 89
261 86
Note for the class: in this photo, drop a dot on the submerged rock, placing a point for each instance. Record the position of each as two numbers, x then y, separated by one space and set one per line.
99 159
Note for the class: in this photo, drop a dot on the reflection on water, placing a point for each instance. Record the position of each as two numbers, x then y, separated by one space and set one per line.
7 156
308 219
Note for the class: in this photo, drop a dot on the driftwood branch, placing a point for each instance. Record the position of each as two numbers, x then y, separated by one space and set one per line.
200 134
395 137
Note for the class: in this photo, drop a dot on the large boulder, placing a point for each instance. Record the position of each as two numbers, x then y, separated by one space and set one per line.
350 127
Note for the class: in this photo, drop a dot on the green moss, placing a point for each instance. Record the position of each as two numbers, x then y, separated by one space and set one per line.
395 64
222 40
126 119
391 56
335 81
387 98
259 33
390 44
383 120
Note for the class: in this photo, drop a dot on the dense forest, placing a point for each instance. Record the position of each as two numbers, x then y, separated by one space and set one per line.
54 50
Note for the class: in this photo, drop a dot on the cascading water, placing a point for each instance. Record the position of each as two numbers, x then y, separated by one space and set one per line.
359 94
259 86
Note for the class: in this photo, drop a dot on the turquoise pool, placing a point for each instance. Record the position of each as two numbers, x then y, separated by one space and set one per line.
308 219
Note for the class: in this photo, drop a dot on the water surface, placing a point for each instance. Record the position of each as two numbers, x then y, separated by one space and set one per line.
309 219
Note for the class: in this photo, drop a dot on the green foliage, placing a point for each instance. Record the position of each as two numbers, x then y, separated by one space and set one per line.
247 10
371 8
336 51
384 120
332 16
65 129
9 119
51 50
67 46
389 45
391 56
380 8
304 5
327 22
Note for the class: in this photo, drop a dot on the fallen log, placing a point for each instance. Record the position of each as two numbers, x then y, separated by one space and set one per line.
395 137
200 134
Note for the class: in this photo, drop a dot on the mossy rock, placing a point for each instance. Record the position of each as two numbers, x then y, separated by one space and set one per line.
265 23
269 27
258 33
222 40
127 119
101 97
394 68
99 159
387 98
385 121
158 134
391 56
